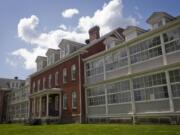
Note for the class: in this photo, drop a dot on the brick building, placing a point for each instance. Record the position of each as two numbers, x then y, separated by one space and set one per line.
6 86
57 91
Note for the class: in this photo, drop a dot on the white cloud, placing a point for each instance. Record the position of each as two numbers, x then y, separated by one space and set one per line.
29 56
63 27
69 13
11 62
109 17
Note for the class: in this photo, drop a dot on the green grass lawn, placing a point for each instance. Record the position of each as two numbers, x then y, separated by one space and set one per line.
89 129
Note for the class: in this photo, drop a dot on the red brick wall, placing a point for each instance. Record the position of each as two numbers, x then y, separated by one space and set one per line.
70 86
96 48
91 51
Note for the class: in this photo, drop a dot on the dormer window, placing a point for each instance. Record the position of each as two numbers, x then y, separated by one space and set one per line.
17 85
67 47
41 62
111 42
12 85
62 53
110 45
50 59
53 55
132 32
158 19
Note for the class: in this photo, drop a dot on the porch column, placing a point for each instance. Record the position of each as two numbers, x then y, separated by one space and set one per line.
47 105
34 108
60 108
40 106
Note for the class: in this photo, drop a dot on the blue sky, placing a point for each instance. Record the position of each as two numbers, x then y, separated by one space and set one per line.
23 39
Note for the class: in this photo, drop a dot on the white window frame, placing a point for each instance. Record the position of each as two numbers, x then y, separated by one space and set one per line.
74 100
57 78
64 102
50 81
34 86
65 75
73 72
39 83
44 83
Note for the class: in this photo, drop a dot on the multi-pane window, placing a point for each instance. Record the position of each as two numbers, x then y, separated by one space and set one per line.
175 82
119 92
50 80
110 45
56 78
145 50
100 100
96 91
95 71
118 87
64 75
94 68
96 96
64 101
150 87
74 100
172 41
116 60
119 98
73 72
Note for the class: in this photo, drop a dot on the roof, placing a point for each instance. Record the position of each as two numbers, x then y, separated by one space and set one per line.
133 28
160 14
119 30
5 83
116 31
50 50
41 58
64 41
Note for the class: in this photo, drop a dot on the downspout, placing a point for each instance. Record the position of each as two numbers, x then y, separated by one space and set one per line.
79 64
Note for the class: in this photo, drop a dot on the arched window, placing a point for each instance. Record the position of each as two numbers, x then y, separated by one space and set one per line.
50 80
65 102
39 83
74 100
44 83
64 75
34 86
56 78
73 72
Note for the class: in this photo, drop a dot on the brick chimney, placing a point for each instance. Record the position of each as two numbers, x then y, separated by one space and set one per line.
94 33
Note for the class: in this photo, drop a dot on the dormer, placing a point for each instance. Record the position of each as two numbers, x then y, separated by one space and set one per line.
53 55
67 47
111 42
113 38
41 62
132 32
158 19
16 83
